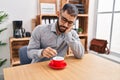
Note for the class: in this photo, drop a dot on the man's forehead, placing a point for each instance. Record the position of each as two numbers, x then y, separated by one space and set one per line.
67 16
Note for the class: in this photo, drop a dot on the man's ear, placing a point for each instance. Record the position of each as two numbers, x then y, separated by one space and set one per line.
58 13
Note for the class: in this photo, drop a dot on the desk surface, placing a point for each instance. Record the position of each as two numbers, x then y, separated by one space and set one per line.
90 67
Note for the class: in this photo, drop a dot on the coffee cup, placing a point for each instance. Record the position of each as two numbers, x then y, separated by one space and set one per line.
58 61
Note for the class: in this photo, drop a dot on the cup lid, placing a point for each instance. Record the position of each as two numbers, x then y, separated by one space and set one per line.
58 58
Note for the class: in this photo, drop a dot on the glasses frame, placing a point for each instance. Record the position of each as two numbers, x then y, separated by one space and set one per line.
65 20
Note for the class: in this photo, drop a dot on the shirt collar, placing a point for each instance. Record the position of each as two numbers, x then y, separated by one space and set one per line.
53 27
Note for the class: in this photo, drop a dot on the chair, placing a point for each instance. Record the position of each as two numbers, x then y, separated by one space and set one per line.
23 56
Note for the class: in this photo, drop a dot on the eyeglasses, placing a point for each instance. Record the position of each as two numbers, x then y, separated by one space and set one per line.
64 20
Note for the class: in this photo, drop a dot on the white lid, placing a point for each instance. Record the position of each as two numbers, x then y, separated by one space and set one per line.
58 58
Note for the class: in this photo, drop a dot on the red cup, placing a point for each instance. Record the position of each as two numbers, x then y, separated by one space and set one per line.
58 61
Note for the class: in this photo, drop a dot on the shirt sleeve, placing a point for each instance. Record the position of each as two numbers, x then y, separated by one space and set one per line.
75 44
33 50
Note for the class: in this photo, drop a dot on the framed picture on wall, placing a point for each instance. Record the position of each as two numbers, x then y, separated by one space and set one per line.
47 8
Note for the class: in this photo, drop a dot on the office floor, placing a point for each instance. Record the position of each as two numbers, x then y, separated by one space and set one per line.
115 57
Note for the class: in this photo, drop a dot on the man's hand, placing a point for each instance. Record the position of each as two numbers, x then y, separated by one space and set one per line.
69 29
49 52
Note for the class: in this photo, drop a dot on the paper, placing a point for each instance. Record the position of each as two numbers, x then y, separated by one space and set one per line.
77 24
51 21
43 21
47 21
47 8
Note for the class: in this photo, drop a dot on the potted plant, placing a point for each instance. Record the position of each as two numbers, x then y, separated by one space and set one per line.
80 30
3 16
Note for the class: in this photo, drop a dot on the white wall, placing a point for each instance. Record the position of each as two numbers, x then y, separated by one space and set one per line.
92 20
17 10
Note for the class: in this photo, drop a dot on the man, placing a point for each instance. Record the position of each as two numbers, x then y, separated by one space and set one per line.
54 39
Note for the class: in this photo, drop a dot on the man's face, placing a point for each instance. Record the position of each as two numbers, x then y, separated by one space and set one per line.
66 21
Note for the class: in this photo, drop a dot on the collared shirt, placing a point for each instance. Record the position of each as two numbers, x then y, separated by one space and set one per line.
44 36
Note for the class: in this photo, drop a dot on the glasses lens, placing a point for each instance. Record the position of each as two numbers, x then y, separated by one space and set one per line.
64 20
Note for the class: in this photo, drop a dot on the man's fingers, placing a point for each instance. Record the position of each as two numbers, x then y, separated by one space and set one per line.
49 52
52 51
48 55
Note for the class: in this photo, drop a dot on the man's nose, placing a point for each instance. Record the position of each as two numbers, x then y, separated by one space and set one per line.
66 24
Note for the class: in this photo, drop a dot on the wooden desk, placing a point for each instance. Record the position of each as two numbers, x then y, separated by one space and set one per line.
91 67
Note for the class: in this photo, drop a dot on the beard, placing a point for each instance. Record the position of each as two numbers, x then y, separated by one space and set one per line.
61 28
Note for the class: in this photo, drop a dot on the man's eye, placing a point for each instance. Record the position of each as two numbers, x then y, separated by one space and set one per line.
70 22
64 19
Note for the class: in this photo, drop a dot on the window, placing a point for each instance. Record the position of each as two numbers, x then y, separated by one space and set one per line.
108 23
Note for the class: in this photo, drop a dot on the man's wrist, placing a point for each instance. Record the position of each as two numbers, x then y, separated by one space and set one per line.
40 54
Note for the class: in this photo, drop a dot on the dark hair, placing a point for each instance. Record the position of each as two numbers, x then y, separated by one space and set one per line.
71 9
